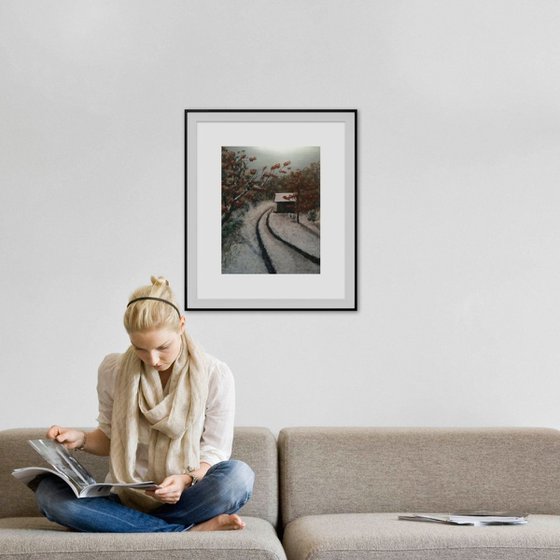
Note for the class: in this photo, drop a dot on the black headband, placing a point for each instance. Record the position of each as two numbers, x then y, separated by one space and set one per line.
155 299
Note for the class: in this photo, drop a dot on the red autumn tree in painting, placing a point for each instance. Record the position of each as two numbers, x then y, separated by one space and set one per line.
242 182
305 186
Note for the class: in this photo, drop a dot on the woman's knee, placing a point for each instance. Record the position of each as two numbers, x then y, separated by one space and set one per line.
238 480
243 475
54 498
236 472
47 488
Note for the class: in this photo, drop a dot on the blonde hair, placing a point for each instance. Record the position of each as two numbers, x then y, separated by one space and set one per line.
151 314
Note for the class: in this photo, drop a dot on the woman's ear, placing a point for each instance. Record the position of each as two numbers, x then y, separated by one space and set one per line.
182 322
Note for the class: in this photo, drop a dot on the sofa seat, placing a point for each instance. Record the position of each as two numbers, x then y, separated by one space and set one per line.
36 538
25 535
355 536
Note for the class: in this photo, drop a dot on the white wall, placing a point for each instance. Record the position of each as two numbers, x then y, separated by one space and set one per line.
459 237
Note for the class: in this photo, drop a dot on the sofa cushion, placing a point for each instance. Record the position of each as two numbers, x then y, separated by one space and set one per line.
38 539
382 536
361 470
256 446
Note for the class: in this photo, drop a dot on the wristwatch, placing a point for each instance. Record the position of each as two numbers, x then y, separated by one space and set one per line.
195 479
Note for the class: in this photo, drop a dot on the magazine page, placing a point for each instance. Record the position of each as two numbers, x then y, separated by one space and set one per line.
476 519
28 474
69 469
63 462
104 488
488 518
428 518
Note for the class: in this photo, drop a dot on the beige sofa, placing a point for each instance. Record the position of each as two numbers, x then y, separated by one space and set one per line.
342 490
25 535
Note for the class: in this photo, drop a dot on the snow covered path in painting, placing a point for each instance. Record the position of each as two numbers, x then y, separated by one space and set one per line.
245 256
285 260
301 236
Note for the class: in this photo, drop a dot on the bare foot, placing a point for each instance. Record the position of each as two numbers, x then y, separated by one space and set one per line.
222 522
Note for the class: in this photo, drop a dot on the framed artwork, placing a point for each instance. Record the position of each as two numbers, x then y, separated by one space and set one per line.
271 198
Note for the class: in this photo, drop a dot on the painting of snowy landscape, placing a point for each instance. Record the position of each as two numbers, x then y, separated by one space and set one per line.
271 215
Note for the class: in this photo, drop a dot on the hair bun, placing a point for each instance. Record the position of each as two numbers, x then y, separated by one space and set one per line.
159 281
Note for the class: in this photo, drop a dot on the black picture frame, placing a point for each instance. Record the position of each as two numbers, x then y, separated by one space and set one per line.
226 188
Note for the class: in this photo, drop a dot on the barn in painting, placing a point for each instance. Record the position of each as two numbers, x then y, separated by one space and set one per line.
285 203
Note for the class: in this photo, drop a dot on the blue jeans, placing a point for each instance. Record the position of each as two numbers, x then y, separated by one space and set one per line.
225 488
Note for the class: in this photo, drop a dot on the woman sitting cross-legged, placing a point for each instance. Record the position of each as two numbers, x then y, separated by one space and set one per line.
166 413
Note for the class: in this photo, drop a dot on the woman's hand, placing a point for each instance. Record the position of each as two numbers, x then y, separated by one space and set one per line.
170 490
70 438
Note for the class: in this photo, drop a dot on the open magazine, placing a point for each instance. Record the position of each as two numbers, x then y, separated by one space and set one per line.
68 468
477 519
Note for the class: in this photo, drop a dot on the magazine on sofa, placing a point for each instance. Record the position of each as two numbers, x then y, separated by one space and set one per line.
68 468
476 518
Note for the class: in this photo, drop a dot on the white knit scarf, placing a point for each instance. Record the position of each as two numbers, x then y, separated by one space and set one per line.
174 420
